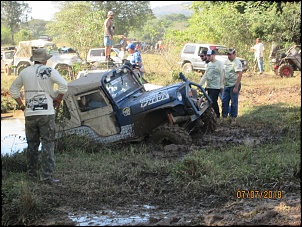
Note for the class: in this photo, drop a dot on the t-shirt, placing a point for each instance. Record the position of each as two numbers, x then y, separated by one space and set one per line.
214 75
110 27
38 81
259 50
231 67
136 57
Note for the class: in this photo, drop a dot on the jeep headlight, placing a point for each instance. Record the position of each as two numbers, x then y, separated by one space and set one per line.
179 96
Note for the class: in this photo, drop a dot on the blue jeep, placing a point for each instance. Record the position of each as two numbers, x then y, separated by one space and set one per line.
113 106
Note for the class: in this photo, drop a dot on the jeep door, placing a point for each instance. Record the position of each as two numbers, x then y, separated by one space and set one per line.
95 111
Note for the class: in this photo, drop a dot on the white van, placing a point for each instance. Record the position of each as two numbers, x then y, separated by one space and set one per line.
98 55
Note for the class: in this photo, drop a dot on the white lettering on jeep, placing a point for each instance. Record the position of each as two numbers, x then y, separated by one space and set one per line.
160 96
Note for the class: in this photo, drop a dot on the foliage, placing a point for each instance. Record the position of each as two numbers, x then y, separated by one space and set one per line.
37 27
129 15
5 35
12 13
155 29
7 104
22 35
81 33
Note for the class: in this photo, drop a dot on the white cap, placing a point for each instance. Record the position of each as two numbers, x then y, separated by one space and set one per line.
110 13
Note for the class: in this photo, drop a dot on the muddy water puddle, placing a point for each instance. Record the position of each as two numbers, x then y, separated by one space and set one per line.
12 135
114 218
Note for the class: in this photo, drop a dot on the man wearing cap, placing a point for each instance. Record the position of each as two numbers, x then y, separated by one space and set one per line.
108 35
136 58
214 79
203 56
232 85
258 49
39 110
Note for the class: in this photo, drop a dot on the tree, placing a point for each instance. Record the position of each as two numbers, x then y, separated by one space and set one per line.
5 35
12 14
129 15
79 25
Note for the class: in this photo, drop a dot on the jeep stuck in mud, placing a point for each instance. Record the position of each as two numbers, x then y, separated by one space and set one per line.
114 106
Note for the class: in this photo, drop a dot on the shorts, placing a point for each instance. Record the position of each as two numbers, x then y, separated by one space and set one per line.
107 41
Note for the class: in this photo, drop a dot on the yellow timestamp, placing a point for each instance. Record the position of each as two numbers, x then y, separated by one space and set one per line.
258 194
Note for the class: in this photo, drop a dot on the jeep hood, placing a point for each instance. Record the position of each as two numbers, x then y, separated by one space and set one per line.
68 59
141 102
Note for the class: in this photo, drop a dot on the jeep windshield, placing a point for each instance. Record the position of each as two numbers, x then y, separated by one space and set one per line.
8 54
121 83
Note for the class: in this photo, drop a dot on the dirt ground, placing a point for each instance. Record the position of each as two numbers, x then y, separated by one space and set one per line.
210 212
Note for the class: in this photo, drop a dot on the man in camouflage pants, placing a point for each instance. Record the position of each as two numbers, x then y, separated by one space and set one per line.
40 102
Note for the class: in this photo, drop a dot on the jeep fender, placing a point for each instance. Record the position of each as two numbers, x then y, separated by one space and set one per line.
21 65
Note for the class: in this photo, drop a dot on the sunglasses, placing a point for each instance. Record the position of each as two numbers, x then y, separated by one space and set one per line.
202 56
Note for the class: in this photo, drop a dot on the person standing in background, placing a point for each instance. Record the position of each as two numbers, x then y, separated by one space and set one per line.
123 54
41 100
232 86
258 49
213 77
108 35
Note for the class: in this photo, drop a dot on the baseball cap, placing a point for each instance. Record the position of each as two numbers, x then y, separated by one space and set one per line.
211 52
231 51
110 13
131 46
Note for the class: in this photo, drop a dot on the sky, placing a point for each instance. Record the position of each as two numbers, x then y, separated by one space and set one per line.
45 10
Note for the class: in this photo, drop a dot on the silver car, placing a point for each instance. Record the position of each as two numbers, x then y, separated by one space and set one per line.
190 59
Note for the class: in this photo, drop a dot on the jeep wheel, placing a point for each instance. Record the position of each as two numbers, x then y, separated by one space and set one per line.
208 121
7 70
285 70
170 134
187 68
20 68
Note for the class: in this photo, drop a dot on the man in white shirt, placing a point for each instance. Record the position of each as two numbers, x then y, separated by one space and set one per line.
258 49
41 100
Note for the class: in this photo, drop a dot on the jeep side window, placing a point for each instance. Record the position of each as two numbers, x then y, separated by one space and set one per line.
202 49
91 101
189 49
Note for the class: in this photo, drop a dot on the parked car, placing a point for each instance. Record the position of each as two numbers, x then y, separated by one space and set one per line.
64 63
7 57
190 59
98 55
123 111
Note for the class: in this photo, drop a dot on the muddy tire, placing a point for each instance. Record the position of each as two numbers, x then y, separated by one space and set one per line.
8 70
187 68
208 122
285 70
170 134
